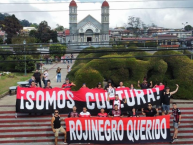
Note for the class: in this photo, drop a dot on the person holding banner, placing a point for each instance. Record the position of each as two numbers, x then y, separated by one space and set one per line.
115 112
48 85
56 126
68 85
149 111
166 99
176 122
133 113
102 113
121 85
99 86
117 101
84 113
74 113
145 84
33 84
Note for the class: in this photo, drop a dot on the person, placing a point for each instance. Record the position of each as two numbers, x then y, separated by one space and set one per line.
84 85
161 96
115 112
33 84
121 85
32 79
68 69
58 73
166 99
37 76
132 87
176 122
145 84
74 113
117 101
133 113
48 85
84 113
43 79
46 77
149 111
72 57
110 89
102 113
99 86
56 126
68 85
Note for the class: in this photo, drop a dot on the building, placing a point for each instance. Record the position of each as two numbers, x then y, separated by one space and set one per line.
3 35
26 30
89 30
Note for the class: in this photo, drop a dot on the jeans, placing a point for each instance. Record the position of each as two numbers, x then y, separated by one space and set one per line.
59 77
166 107
46 81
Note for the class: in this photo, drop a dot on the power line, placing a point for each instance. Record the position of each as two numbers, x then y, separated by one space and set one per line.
99 10
101 2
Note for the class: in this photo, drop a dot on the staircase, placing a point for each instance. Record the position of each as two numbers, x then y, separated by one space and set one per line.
36 130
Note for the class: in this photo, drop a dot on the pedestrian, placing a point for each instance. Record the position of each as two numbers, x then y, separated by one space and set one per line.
132 87
99 86
48 85
68 85
145 84
110 89
43 79
121 85
166 99
117 101
74 113
56 126
46 75
176 122
33 84
72 57
58 74
32 79
68 68
133 113
84 113
37 76
115 112
149 111
84 86
102 113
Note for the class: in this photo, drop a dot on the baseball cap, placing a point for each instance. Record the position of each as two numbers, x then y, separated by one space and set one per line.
99 83
67 79
109 81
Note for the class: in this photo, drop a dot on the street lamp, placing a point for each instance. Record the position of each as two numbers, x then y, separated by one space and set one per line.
24 42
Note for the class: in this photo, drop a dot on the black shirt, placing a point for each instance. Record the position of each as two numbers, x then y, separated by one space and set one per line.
150 112
145 86
37 75
131 114
166 98
57 123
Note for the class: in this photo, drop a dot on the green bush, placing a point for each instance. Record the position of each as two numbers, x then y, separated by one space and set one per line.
89 76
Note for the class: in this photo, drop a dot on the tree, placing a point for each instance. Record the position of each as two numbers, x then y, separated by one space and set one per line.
20 66
25 23
188 27
11 26
44 33
59 49
34 25
134 25
59 28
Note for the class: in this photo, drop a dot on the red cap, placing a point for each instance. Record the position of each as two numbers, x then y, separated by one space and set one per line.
73 4
105 4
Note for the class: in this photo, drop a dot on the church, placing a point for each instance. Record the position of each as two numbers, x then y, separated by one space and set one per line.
88 30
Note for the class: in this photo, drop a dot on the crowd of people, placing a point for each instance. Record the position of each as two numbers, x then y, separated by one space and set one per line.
149 111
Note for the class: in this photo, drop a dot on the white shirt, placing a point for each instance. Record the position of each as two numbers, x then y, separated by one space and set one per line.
86 114
111 91
46 75
121 87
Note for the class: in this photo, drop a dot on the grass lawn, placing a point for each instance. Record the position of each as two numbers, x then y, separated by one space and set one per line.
6 82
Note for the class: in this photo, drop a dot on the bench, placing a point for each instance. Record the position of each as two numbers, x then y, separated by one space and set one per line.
11 89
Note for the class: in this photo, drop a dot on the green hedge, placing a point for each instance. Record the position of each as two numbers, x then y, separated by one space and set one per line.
169 70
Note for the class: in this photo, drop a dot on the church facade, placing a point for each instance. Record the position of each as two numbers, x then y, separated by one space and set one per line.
88 30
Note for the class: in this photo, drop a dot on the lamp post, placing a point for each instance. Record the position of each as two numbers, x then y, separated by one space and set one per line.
24 42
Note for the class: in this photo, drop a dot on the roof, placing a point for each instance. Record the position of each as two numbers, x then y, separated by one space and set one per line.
67 32
138 39
73 4
90 19
170 46
166 35
105 4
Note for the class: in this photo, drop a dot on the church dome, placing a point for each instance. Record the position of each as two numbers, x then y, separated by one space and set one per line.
105 4
73 4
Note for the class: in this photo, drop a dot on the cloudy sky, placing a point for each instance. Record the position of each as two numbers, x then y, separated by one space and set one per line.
170 18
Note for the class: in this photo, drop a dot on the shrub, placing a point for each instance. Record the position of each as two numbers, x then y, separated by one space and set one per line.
89 76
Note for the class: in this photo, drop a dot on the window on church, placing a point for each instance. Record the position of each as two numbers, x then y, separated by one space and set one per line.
96 39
